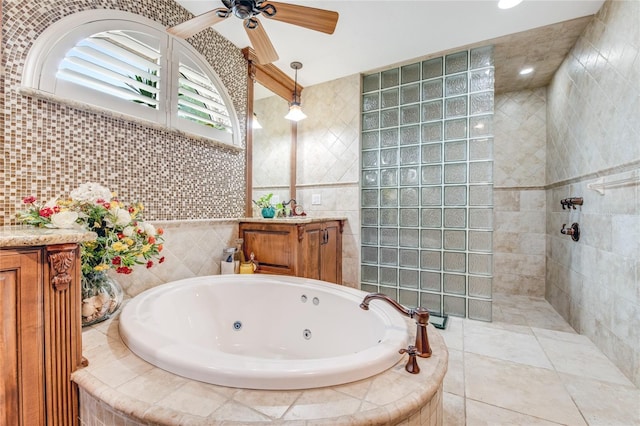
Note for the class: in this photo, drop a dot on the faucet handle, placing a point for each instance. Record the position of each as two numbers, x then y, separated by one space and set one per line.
412 364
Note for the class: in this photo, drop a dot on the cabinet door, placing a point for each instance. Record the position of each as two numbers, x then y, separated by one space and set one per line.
21 346
331 253
311 252
274 246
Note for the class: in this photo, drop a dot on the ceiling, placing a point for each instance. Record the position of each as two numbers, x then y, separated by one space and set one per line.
375 34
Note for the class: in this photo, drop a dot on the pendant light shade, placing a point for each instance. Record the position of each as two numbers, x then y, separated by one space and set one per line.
295 110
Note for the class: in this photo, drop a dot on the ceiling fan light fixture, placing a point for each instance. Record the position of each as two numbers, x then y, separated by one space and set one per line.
295 110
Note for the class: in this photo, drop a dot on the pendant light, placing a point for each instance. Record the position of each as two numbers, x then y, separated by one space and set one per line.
295 110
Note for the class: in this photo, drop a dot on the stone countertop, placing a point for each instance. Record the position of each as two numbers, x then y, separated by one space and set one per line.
292 219
149 395
30 236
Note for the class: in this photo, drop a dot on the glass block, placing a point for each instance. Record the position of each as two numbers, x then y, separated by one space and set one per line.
409 278
480 264
480 195
371 82
481 103
369 198
409 135
431 301
370 102
431 238
369 255
390 78
389 291
370 236
481 80
455 151
410 114
409 155
389 98
432 111
479 286
432 175
409 196
481 126
370 140
369 216
454 306
388 276
456 107
369 274
370 120
409 217
389 117
481 149
431 196
432 153
455 85
369 288
454 262
454 284
388 157
389 256
409 238
409 176
389 237
369 178
389 137
455 218
432 132
432 89
431 218
455 240
410 73
455 173
409 258
410 94
481 172
432 68
456 62
388 197
430 281
481 57
480 241
480 310
389 177
480 218
369 159
389 217
455 195
407 297
430 259
455 129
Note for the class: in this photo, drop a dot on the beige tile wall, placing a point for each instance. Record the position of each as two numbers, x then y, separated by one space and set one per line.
594 131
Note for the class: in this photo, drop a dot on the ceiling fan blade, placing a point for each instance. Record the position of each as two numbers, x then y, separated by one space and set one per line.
261 43
197 24
308 17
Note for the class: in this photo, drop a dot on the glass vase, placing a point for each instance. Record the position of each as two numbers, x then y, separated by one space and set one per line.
268 212
101 297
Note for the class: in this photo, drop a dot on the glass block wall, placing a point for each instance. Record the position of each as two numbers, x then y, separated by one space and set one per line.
427 183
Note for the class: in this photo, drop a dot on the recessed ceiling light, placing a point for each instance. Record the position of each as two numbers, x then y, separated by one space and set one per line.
525 71
508 4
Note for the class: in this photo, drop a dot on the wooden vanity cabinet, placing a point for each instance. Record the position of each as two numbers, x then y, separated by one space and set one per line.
309 249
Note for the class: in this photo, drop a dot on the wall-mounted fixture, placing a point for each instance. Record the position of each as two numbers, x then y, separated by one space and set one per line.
568 203
295 110
574 231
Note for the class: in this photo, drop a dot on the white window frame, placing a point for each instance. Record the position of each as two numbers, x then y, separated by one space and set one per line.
53 44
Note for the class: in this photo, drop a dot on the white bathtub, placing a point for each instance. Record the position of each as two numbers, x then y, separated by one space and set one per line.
263 331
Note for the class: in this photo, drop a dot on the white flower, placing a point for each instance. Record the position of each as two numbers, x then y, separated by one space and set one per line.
128 231
118 217
52 203
149 229
66 219
91 192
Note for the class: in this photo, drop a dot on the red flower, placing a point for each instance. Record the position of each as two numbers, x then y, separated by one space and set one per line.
56 209
29 200
131 209
46 212
106 206
159 231
116 260
120 235
160 247
149 264
124 270
151 240
161 260
99 201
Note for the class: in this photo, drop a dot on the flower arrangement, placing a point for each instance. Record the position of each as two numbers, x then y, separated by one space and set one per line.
124 238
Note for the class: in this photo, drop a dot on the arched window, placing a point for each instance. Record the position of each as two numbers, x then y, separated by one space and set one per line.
129 64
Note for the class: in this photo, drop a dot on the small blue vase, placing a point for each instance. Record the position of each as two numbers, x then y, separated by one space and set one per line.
268 212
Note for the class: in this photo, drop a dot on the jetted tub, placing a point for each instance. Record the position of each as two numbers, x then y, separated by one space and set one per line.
263 331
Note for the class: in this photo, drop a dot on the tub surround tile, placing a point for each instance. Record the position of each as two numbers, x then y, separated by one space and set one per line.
194 398
268 403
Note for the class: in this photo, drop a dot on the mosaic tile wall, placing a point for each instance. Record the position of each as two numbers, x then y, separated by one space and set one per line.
427 183
49 148
594 132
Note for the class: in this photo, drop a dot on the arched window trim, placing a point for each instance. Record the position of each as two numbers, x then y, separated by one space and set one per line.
52 45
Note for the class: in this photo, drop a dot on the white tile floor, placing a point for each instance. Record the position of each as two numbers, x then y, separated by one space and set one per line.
529 367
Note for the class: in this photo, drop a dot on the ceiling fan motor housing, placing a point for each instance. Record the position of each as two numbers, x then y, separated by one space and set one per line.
244 9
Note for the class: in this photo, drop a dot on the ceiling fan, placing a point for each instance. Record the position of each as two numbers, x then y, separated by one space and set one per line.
248 10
